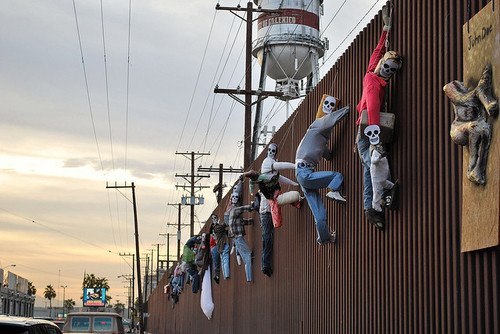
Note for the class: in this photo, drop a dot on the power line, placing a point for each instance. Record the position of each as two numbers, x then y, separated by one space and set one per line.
57 231
87 87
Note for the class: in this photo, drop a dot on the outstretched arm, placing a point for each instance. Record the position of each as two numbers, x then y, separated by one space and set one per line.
380 49
278 165
285 180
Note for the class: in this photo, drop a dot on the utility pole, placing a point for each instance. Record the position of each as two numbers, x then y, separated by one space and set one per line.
130 281
191 155
136 227
146 278
157 261
178 229
133 279
221 170
151 290
167 237
248 92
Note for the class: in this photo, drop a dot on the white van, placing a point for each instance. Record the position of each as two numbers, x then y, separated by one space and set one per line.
94 322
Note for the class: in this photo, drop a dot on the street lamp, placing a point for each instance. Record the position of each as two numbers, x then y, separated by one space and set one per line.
64 296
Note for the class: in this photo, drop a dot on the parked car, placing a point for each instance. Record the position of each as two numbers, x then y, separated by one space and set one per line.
58 321
94 322
22 325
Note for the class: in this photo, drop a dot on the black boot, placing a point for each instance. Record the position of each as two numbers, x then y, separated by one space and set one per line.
391 196
375 218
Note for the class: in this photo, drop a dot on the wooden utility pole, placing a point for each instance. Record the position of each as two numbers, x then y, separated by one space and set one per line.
167 237
133 279
192 182
248 92
179 206
136 228
158 261
221 170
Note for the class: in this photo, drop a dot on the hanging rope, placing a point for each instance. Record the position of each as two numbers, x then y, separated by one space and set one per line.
333 81
390 22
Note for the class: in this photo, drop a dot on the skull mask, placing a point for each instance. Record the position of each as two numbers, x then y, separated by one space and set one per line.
215 219
272 149
388 68
372 132
235 198
329 104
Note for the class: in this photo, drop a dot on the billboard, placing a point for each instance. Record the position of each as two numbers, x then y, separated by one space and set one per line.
94 297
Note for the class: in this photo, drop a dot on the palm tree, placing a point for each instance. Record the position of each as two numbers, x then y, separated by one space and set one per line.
49 293
69 304
31 289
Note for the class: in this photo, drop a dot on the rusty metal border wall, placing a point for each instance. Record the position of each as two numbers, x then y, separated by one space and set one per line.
411 278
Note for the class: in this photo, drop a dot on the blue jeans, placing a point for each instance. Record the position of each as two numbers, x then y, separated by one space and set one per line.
217 257
195 278
363 145
246 255
310 181
266 223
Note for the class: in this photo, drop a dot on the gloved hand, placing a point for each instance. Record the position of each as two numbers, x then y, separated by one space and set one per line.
386 18
380 148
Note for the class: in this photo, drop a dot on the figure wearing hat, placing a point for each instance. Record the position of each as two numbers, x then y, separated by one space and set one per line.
381 67
309 152
269 200
237 224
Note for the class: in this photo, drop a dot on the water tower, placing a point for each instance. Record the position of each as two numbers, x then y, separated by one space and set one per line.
288 44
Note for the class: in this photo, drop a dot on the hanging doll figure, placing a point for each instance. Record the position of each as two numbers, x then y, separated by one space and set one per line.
381 68
188 258
269 181
237 224
219 248
307 157
269 200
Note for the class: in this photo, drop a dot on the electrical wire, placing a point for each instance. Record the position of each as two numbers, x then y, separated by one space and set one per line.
57 230
196 82
109 127
350 32
87 88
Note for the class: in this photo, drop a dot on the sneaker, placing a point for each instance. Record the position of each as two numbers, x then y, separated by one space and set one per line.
335 195
375 218
333 239
267 271
391 196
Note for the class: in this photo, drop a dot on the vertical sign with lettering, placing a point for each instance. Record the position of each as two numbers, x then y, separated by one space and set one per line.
481 203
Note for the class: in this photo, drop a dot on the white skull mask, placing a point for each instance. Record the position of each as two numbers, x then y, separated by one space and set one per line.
373 132
272 149
215 219
235 198
329 104
388 68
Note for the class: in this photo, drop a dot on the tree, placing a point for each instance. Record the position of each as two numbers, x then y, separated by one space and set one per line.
91 281
31 289
119 307
69 304
49 294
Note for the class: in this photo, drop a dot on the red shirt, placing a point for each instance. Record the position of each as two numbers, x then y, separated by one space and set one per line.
373 86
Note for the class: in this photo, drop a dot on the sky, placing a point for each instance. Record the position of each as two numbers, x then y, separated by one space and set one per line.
143 92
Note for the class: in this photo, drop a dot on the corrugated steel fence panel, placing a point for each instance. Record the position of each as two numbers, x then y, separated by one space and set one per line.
410 278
